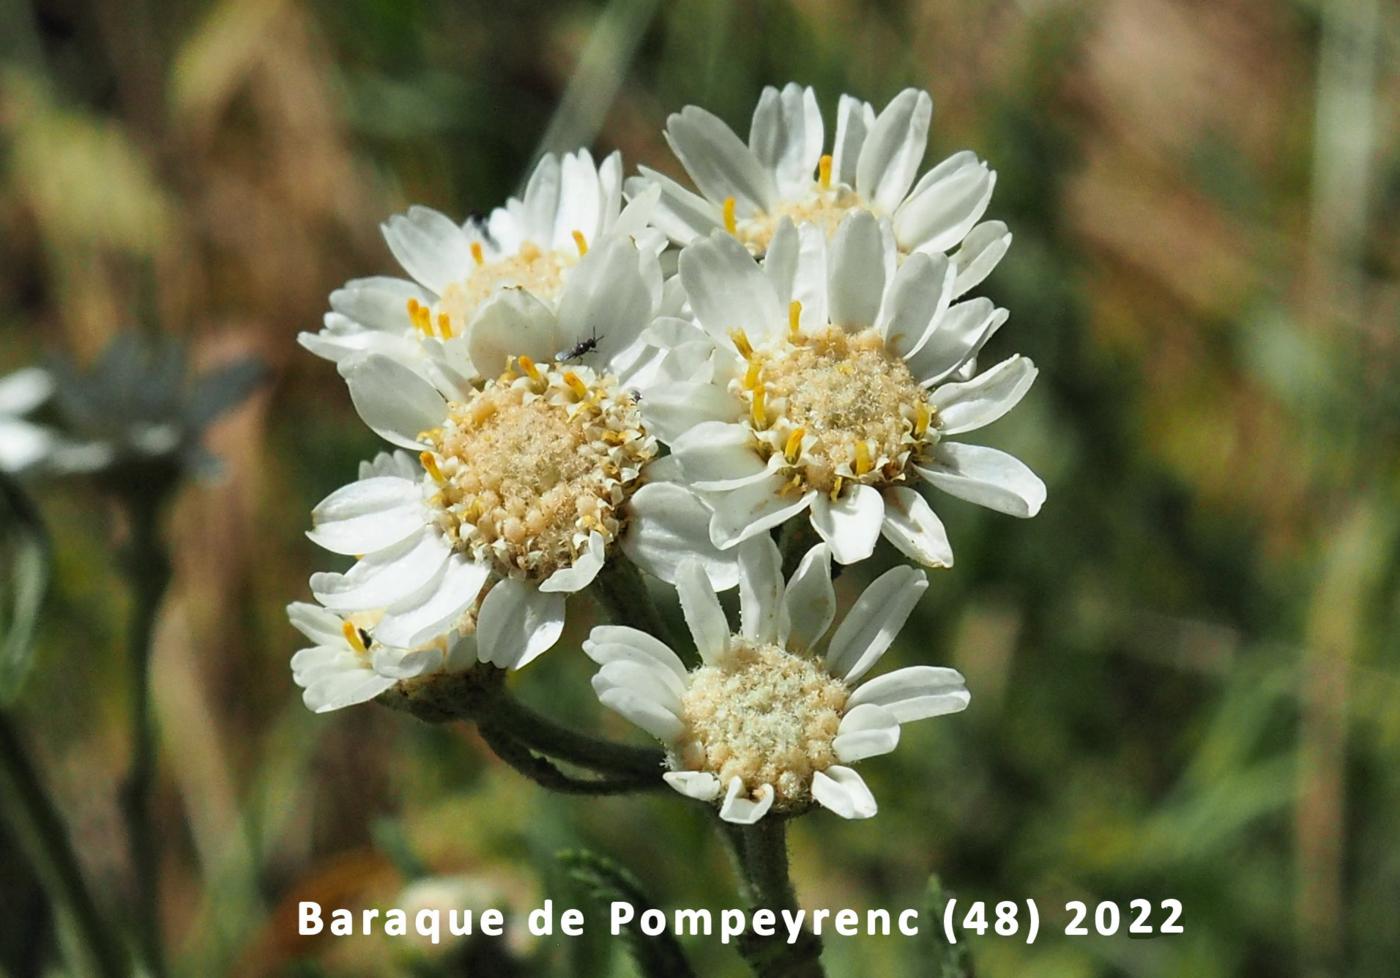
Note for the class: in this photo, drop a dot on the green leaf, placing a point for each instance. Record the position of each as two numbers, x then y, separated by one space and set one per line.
947 960
24 573
606 882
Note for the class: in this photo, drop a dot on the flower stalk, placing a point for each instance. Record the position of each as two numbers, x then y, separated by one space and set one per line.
36 822
148 565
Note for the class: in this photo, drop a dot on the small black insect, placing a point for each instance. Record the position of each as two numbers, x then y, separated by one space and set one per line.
365 637
581 348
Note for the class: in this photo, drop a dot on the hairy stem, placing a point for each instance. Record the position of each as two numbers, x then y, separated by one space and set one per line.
541 771
760 851
480 695
41 831
541 734
148 566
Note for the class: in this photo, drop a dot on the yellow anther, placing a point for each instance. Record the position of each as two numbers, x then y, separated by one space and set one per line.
730 224
836 488
758 408
793 448
576 384
863 462
418 314
429 461
477 255
741 342
581 242
921 420
353 636
528 367
824 171
791 487
445 325
794 318
751 376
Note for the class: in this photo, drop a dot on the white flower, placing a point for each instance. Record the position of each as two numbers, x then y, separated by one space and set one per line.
825 389
782 173
345 665
532 244
527 481
765 723
23 443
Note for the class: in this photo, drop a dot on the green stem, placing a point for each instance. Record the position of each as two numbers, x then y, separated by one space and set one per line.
37 823
541 734
539 770
149 568
760 851
623 593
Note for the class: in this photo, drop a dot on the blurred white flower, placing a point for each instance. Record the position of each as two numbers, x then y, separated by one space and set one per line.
135 415
345 665
748 189
524 484
531 244
765 723
819 382
24 443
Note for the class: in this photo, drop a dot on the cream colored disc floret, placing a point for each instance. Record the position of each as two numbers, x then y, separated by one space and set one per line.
533 463
764 715
837 406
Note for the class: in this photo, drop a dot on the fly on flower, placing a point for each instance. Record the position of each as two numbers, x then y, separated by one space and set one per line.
521 484
531 244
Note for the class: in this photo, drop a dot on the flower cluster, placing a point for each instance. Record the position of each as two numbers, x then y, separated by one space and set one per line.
605 375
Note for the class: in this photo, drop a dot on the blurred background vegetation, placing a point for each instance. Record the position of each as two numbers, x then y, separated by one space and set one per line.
1184 671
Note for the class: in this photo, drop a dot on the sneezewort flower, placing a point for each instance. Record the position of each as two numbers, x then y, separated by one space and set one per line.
828 387
782 172
24 443
135 415
345 665
533 243
764 723
526 482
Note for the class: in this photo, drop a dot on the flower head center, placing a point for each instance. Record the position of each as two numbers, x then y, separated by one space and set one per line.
538 271
838 406
764 715
533 463
823 206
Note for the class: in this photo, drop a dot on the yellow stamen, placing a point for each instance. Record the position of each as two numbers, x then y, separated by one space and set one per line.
730 224
751 376
419 316
576 384
836 488
794 317
921 420
824 171
581 242
429 461
758 410
793 448
353 636
863 462
528 366
445 325
741 342
477 256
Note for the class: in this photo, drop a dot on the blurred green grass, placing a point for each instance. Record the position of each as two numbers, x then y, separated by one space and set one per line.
1184 670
